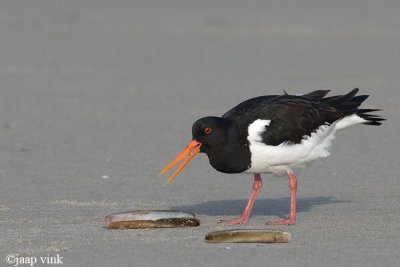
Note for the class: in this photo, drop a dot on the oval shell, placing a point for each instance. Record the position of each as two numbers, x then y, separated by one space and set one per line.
140 219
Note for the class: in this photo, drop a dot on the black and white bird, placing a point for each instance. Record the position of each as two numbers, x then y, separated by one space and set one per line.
274 134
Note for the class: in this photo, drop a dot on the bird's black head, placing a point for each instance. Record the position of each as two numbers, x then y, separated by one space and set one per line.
219 139
211 132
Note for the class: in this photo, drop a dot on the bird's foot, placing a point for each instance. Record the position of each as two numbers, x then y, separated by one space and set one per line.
240 220
288 221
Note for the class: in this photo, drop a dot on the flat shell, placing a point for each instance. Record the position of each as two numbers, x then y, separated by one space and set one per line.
151 219
248 236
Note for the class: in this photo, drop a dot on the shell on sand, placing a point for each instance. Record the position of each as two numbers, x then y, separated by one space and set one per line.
140 219
248 236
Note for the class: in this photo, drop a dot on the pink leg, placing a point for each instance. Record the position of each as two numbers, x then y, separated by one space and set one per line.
246 213
293 187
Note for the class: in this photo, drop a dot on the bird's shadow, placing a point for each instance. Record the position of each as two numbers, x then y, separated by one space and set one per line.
277 206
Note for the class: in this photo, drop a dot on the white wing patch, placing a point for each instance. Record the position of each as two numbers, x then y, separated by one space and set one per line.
256 129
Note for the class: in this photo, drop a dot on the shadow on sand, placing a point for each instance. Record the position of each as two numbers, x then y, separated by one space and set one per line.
277 206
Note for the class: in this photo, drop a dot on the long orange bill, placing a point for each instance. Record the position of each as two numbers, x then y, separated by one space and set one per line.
192 149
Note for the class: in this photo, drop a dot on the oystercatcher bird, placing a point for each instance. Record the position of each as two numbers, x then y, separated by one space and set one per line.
274 134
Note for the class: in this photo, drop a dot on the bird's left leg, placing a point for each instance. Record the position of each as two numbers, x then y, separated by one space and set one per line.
293 188
246 213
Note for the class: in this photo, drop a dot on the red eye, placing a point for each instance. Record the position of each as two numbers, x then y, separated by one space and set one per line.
207 130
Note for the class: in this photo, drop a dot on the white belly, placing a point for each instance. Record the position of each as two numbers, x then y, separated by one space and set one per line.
282 158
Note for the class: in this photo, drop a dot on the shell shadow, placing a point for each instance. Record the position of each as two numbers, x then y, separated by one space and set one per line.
277 206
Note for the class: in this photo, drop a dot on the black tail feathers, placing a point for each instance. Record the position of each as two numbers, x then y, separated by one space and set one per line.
348 104
371 118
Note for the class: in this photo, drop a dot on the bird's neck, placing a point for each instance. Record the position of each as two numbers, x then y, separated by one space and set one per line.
231 158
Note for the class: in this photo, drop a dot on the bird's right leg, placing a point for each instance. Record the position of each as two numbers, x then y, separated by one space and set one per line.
246 213
293 188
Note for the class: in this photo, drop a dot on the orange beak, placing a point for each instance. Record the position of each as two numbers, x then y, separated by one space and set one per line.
192 149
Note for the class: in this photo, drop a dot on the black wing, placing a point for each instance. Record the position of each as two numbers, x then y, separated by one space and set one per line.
259 102
293 117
